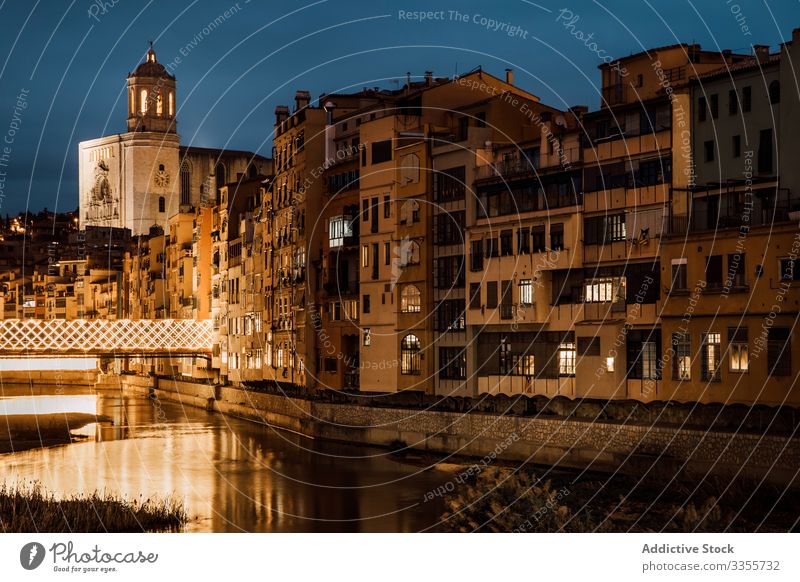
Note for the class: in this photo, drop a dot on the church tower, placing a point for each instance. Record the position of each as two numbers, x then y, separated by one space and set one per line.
151 97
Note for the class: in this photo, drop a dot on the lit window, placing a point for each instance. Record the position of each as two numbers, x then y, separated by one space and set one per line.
159 104
604 290
171 104
410 357
526 292
711 357
410 299
339 228
366 336
610 364
143 101
566 359
649 361
738 349
365 256
682 366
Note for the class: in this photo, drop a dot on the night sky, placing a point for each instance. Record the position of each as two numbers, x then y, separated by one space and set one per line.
69 61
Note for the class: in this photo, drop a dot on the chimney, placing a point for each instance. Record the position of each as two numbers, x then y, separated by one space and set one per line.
429 78
301 100
579 110
510 76
281 114
762 52
727 53
408 82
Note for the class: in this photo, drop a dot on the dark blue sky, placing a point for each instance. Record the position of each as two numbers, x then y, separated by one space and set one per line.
72 58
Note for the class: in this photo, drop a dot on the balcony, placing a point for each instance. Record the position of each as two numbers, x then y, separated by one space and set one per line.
684 224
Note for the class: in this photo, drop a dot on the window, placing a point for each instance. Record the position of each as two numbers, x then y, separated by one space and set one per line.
557 236
537 235
366 337
680 278
714 271
365 256
747 99
604 290
708 151
449 185
365 302
186 184
738 352
410 299
710 357
775 92
526 292
375 261
523 241
643 348
765 151
374 224
491 294
171 104
162 204
449 316
733 102
335 311
702 109
381 151
737 146
507 301
736 270
339 228
491 247
615 230
387 253
463 128
480 119
143 102
452 364
589 346
410 358
448 272
506 243
474 295
790 270
779 351
715 106
650 360
387 207
476 256
365 210
566 359
682 362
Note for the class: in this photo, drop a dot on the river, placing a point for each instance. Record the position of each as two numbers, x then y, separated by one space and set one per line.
232 475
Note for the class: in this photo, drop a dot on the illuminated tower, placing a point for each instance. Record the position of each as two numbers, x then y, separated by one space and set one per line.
151 97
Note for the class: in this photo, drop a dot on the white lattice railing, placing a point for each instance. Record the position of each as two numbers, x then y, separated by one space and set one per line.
105 336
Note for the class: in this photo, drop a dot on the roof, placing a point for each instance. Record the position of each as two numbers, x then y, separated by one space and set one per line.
751 64
151 67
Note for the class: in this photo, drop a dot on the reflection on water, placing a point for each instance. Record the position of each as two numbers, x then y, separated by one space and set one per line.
233 475
49 404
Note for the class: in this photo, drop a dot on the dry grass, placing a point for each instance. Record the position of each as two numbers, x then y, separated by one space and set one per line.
33 509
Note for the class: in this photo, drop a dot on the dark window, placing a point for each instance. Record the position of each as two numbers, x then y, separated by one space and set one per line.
737 146
365 304
476 256
374 225
480 119
375 260
557 236
790 270
491 247
449 316
452 363
708 151
381 151
733 102
523 241
779 351
506 243
463 128
507 301
387 207
765 151
365 210
747 99
715 106
643 353
537 238
387 253
449 184
736 270
589 346
162 204
330 364
448 228
474 295
714 271
491 294
448 272
702 109
775 92
186 185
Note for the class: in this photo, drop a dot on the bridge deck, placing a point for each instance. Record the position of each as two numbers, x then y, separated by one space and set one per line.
101 336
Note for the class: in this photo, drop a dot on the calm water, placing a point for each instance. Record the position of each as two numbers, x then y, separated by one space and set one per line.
233 475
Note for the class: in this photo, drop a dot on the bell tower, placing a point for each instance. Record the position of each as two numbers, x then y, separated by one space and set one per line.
151 97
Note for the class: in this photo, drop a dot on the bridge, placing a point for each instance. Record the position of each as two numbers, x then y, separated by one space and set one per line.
105 337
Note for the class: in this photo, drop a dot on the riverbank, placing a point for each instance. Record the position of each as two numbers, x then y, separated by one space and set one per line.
630 448
21 432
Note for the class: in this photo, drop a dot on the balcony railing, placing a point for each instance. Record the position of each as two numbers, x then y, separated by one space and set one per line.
682 224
